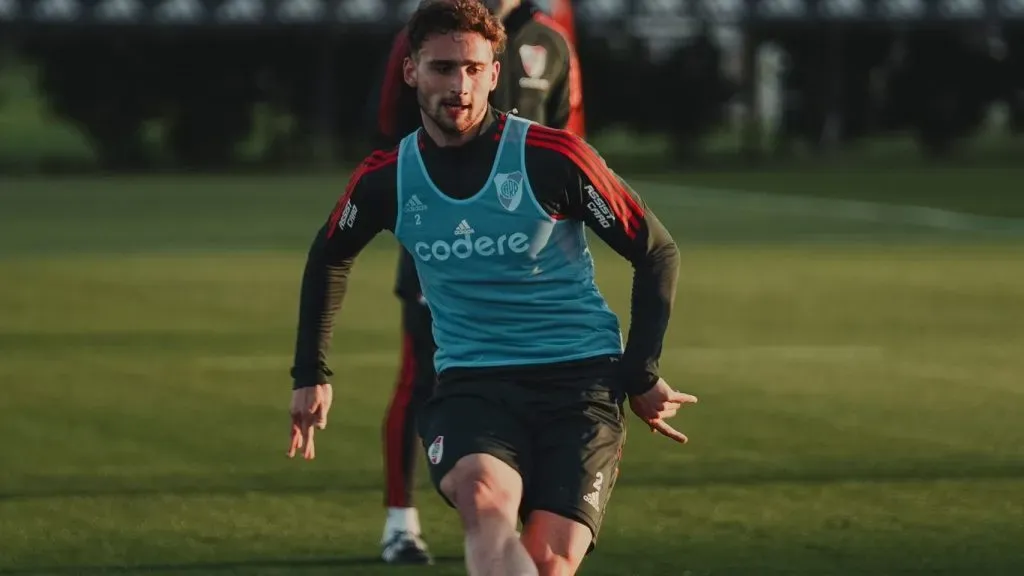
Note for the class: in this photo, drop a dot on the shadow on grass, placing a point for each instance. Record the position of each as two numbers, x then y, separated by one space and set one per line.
227 567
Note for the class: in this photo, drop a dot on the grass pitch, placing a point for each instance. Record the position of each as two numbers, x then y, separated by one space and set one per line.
860 369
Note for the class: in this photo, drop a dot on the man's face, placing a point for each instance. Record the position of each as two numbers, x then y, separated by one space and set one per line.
454 75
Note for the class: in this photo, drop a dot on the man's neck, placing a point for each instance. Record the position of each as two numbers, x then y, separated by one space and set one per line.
446 140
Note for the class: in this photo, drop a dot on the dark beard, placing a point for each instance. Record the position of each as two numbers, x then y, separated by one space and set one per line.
441 122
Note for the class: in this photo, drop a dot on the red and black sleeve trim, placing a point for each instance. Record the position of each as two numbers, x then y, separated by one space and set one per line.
628 212
376 161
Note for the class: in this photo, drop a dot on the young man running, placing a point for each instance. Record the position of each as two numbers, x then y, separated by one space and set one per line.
527 421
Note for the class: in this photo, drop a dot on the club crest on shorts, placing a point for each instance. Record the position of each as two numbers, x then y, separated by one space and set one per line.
436 450
510 190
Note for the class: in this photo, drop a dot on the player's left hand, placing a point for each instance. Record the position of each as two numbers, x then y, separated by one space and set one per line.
309 409
659 404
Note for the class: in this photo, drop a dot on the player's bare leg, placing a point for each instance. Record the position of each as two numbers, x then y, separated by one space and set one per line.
556 543
487 492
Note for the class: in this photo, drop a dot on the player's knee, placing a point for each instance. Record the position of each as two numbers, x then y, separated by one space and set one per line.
554 565
475 498
556 544
476 486
551 561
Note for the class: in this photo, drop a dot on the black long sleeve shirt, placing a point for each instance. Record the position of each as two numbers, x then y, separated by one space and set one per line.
569 179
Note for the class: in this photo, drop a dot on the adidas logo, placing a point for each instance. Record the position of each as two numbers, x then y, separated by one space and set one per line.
463 229
415 204
592 499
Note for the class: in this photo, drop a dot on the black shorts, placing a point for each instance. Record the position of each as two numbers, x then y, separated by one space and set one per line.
564 436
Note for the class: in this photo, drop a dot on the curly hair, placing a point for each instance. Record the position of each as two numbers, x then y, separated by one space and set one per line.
447 16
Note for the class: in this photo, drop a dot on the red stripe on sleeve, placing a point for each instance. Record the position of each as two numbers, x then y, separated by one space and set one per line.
391 89
374 162
623 205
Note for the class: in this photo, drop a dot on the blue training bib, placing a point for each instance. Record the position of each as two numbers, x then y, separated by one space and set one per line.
506 283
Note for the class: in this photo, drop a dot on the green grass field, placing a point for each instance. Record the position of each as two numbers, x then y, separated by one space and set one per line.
860 369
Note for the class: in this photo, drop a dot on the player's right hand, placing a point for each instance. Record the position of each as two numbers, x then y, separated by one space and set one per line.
309 409
659 404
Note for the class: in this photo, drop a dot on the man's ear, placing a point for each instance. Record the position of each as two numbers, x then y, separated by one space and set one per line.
495 72
409 71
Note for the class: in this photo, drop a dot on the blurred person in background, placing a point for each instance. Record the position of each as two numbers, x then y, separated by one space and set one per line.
539 78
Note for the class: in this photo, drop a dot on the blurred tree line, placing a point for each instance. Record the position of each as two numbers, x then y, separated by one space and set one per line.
219 99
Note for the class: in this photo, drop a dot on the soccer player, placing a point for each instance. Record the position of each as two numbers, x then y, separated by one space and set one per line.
539 77
527 421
